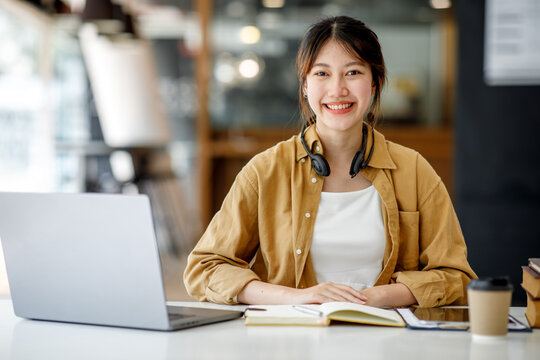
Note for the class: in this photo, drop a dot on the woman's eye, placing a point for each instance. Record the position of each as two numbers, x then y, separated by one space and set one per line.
354 72
320 73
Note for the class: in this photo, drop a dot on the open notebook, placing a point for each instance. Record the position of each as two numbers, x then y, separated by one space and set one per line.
321 315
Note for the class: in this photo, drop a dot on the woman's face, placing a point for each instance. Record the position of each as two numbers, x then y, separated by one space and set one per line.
339 88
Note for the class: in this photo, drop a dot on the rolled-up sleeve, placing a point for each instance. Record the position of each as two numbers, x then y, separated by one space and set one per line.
218 267
443 270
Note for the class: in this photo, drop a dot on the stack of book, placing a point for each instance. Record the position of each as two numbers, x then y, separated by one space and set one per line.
531 284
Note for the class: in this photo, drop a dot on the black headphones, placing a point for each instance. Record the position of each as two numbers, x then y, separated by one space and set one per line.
320 164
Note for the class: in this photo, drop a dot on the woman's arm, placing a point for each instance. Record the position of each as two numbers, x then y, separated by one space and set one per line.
218 267
258 292
441 274
391 295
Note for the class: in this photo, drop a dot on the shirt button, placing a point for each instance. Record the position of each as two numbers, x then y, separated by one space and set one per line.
318 148
303 160
313 180
298 251
308 215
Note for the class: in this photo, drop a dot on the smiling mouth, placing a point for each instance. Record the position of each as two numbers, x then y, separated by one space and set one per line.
339 107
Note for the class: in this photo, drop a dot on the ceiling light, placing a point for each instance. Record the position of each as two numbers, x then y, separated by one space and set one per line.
225 71
250 35
249 68
440 4
273 3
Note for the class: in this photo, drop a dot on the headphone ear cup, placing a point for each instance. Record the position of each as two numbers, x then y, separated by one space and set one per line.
357 163
320 165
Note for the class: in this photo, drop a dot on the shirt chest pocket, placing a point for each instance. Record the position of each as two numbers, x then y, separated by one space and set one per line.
408 240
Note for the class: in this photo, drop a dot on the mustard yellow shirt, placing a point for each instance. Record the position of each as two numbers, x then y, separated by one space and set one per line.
264 228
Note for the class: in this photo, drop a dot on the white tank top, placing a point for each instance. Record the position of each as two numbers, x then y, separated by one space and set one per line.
349 238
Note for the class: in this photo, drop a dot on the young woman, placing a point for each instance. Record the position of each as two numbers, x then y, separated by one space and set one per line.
336 213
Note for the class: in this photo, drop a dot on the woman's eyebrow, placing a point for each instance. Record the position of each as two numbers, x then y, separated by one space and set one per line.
321 65
352 63
356 63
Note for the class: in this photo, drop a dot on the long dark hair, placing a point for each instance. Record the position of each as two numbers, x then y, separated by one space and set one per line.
358 40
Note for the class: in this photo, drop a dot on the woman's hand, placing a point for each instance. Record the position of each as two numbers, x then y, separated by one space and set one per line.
327 292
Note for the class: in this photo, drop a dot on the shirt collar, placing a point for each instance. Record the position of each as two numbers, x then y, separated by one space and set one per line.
380 159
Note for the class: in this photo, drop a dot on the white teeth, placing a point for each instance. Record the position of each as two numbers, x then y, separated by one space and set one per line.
339 107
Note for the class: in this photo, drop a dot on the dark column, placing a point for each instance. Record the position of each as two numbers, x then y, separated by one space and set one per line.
497 184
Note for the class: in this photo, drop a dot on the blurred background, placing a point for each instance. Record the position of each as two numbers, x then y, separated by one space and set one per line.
172 98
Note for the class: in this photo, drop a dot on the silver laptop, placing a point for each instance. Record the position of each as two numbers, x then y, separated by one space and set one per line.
89 258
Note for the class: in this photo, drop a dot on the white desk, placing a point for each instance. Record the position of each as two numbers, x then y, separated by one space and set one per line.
27 339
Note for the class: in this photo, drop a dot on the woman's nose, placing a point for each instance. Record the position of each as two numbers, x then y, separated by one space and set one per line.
338 87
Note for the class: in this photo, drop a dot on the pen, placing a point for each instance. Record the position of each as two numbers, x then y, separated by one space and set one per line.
309 311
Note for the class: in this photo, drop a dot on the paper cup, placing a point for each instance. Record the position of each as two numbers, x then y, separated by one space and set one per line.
489 305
